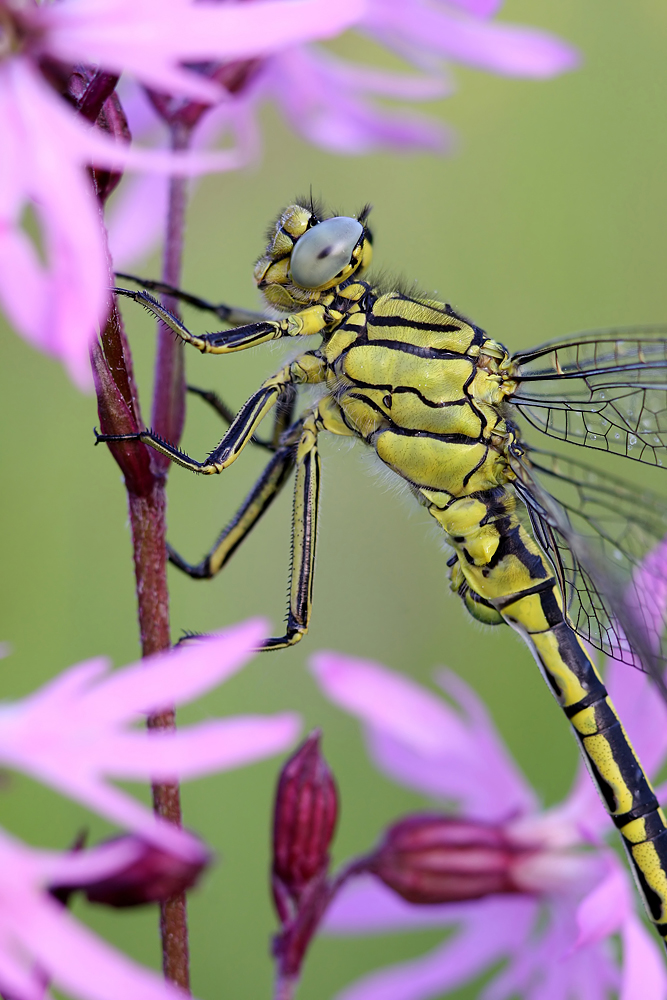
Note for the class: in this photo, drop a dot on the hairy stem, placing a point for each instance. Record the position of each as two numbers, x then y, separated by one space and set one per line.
150 549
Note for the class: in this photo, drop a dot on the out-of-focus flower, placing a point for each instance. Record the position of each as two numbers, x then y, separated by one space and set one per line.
150 875
75 732
57 304
568 891
354 108
40 942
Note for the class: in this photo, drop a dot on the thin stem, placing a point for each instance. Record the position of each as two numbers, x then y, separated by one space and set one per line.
150 549
145 480
169 395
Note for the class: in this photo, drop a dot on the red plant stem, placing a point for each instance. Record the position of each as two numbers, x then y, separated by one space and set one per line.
145 480
169 395
150 549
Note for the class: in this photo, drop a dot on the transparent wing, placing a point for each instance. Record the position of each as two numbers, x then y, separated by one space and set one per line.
604 390
608 543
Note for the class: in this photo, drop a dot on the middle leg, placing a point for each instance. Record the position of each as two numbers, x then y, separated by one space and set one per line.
306 369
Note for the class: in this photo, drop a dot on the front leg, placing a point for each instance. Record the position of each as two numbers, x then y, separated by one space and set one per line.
308 368
226 314
311 320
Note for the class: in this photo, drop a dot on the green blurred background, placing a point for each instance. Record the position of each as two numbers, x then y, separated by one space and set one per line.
549 218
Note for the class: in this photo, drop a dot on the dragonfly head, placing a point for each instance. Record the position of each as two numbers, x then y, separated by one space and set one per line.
308 256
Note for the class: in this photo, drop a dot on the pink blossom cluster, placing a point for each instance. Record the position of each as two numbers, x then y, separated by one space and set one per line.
76 733
55 290
554 938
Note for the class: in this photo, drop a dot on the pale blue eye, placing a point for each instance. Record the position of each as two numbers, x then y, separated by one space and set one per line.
324 251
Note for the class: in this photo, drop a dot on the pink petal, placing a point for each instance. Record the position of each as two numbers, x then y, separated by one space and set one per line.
125 811
81 963
366 906
642 710
499 48
58 304
209 747
176 677
644 975
495 928
326 100
165 34
93 864
388 702
18 982
481 8
604 910
422 742
135 220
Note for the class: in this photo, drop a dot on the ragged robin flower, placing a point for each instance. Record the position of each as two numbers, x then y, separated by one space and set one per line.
55 290
536 890
346 107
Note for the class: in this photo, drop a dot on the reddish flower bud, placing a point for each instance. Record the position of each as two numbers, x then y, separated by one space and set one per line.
233 76
440 859
304 821
153 877
92 92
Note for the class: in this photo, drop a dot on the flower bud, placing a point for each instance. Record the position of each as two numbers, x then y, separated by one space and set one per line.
152 877
441 859
233 76
304 821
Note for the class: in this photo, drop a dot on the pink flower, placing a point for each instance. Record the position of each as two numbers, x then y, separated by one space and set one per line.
554 939
338 108
79 730
342 106
40 942
57 304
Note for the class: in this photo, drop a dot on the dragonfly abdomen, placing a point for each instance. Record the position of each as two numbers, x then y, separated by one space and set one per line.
505 572
611 760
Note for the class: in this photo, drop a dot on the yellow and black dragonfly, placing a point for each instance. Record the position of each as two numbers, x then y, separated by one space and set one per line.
557 550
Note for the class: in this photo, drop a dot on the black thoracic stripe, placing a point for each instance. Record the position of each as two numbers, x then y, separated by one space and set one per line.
429 353
468 476
446 439
478 413
408 390
413 324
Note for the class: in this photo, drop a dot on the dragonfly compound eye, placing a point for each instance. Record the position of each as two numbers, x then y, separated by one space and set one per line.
322 252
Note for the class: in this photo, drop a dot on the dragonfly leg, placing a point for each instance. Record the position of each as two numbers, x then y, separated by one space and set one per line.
311 320
308 368
304 519
258 501
227 314
283 419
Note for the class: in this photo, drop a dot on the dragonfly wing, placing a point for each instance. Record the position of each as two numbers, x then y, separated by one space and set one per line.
606 540
604 390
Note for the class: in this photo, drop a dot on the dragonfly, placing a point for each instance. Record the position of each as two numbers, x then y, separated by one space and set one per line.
541 541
